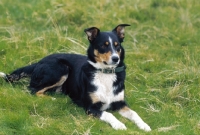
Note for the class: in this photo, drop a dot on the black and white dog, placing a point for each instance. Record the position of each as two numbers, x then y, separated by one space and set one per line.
95 81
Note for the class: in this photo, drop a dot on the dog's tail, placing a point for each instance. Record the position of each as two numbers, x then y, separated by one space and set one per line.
18 73
3 75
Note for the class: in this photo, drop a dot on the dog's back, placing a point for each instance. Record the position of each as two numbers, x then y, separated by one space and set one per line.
49 71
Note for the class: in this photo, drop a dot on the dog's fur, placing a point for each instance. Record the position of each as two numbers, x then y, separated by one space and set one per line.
82 77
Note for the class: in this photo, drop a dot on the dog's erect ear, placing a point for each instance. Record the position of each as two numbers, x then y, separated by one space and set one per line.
120 31
92 33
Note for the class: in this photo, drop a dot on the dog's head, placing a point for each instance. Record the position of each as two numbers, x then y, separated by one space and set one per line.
105 50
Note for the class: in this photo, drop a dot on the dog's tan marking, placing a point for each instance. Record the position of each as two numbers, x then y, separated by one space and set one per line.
124 109
94 98
106 43
99 57
119 52
115 43
40 93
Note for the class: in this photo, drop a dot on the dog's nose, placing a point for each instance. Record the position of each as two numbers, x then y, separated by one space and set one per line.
115 58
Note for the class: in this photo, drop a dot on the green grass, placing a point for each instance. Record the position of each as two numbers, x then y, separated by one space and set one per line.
162 56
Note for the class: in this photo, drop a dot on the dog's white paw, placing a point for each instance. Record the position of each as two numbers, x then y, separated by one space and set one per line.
144 127
118 126
115 123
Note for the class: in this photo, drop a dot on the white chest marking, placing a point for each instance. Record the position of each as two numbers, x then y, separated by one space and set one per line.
105 89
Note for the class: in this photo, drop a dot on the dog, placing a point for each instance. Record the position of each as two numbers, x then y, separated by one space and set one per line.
94 82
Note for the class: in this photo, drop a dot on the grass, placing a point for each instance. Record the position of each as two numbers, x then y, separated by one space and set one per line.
162 56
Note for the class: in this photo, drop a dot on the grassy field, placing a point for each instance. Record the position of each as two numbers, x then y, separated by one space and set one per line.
162 56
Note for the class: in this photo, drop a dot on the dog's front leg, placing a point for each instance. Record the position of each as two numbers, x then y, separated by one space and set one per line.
112 120
134 117
107 117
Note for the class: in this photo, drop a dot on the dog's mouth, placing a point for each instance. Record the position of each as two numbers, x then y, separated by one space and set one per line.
105 63
112 63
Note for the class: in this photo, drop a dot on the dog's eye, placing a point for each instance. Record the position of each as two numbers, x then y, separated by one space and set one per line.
106 44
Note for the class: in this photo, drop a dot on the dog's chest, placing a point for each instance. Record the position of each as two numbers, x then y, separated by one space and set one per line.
105 89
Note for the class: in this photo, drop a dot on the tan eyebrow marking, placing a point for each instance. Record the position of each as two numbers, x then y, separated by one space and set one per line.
116 43
106 43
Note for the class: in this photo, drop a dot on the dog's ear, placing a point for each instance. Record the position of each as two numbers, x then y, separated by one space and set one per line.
92 33
119 30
